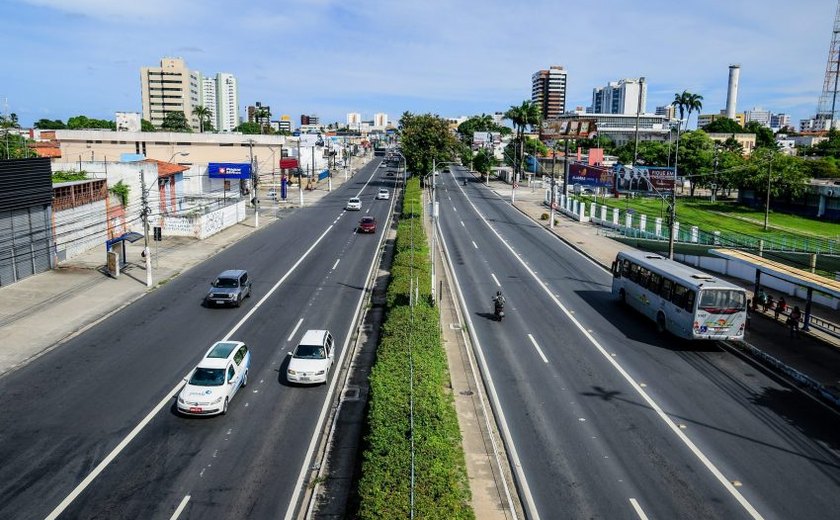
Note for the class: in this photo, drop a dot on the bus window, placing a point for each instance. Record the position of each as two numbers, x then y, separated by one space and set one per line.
665 292
625 268
654 283
634 272
644 276
678 296
722 301
689 301
616 269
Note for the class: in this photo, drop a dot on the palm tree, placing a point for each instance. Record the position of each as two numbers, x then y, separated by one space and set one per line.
685 102
203 114
526 114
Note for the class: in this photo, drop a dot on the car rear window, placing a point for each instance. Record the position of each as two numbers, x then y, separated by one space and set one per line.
222 350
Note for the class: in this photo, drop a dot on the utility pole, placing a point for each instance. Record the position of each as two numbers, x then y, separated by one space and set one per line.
638 114
565 166
553 196
147 254
714 174
254 183
672 210
300 172
767 200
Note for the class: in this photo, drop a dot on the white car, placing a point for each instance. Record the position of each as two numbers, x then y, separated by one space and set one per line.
311 360
216 379
383 194
355 203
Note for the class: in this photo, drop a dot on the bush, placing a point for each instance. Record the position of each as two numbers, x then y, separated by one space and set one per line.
441 485
544 216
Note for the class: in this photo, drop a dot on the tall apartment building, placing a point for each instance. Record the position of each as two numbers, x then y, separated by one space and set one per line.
354 119
668 111
758 115
172 87
548 91
380 120
285 123
306 119
619 97
779 121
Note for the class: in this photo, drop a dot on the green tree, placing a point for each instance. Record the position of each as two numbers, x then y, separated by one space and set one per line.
779 174
425 139
203 115
650 152
49 124
13 146
696 157
147 126
723 125
81 122
176 122
482 123
484 161
524 115
248 128
821 168
730 170
764 137
10 121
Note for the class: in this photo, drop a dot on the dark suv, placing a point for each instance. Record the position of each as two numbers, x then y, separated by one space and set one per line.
230 288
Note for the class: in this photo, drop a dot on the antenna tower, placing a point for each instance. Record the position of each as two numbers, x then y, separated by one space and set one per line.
828 108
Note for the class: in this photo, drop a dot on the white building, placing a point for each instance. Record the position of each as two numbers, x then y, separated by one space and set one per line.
759 115
209 99
354 119
172 87
619 97
779 121
128 121
227 105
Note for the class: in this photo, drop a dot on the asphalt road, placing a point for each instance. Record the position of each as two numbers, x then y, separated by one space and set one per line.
610 420
63 414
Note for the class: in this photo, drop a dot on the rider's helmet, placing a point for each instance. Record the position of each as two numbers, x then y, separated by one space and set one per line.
498 293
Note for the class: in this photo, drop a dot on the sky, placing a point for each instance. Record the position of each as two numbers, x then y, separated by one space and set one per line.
327 57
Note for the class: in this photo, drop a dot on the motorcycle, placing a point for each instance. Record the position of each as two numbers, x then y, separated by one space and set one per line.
465 182
499 311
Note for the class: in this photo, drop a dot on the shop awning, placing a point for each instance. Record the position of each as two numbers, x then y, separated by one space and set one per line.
288 162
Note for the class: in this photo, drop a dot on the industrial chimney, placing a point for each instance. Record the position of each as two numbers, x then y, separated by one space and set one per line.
732 91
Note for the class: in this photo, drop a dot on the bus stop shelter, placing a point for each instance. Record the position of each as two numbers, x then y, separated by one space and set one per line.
799 277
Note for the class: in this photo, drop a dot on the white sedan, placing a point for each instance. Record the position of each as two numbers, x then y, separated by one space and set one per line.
216 379
383 194
355 203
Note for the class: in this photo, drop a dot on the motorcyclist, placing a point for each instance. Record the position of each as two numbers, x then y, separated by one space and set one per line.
499 301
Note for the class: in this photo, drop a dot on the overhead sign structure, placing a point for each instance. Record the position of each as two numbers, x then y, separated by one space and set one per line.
553 129
229 170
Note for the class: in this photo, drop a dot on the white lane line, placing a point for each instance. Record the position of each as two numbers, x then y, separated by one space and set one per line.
462 223
474 244
180 509
292 335
337 260
495 279
638 508
539 350
367 211
167 398
454 209
721 478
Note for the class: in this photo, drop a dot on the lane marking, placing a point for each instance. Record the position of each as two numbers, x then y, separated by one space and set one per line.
454 208
294 330
169 395
180 509
474 244
638 508
539 350
710 466
462 223
495 279
337 260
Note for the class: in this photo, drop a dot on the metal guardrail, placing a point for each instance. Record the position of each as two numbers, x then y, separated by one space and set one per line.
828 327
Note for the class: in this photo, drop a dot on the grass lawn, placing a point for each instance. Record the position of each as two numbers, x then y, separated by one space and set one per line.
730 218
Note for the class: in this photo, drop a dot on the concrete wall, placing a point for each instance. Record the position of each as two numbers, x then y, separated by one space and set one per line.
79 229
204 225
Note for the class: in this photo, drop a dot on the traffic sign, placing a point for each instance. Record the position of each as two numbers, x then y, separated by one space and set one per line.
515 185
553 205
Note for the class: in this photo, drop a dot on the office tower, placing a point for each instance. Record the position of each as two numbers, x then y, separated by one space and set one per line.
548 91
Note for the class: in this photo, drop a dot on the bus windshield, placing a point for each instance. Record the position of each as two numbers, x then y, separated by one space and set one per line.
722 301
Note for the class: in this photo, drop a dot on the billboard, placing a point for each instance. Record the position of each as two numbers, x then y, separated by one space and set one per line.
590 176
310 140
651 179
229 170
552 129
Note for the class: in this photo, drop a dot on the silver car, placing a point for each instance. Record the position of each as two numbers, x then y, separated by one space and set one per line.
229 288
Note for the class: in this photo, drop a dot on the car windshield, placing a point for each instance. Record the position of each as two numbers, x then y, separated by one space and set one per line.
309 352
226 283
208 377
355 200
722 301
367 220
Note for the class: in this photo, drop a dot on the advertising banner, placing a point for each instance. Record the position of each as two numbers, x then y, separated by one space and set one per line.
651 179
553 129
229 170
590 176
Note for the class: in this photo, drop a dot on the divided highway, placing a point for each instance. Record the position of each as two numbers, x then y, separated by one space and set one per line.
605 418
81 404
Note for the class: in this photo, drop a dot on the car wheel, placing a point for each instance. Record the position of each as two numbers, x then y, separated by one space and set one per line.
238 301
245 379
249 293
661 326
225 406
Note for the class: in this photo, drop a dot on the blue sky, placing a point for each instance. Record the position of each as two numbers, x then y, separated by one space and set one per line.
66 57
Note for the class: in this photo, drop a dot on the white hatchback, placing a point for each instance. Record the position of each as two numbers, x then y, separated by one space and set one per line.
355 203
216 379
311 360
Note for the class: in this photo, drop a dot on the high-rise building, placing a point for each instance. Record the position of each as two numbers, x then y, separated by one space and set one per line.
285 123
619 97
259 113
309 119
380 120
758 115
548 91
354 119
172 87
668 111
779 121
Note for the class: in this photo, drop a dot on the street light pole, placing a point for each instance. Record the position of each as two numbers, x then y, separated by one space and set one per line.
147 254
638 114
254 182
672 210
767 199
552 203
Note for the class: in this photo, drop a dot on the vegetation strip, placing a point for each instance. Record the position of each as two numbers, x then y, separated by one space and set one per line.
441 484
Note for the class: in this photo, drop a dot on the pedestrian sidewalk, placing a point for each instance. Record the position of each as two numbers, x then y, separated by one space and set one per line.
43 311
812 358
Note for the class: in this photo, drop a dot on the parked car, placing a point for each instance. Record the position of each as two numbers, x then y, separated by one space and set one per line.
383 194
213 383
229 288
355 204
312 358
367 225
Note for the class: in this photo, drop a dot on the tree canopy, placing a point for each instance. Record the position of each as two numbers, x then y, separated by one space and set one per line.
425 139
147 126
50 124
83 123
176 122
723 125
248 128
764 137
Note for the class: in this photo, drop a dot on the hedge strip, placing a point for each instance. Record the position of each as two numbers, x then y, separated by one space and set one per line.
441 485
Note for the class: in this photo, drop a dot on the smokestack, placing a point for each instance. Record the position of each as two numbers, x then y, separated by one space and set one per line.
732 91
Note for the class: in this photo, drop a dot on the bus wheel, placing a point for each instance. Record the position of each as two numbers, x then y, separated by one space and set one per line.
661 327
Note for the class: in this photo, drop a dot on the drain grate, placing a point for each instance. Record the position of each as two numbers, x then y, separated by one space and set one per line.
351 393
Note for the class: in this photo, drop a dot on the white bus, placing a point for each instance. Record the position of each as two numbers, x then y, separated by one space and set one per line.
686 302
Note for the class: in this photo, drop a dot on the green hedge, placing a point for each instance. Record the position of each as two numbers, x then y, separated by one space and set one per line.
441 485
